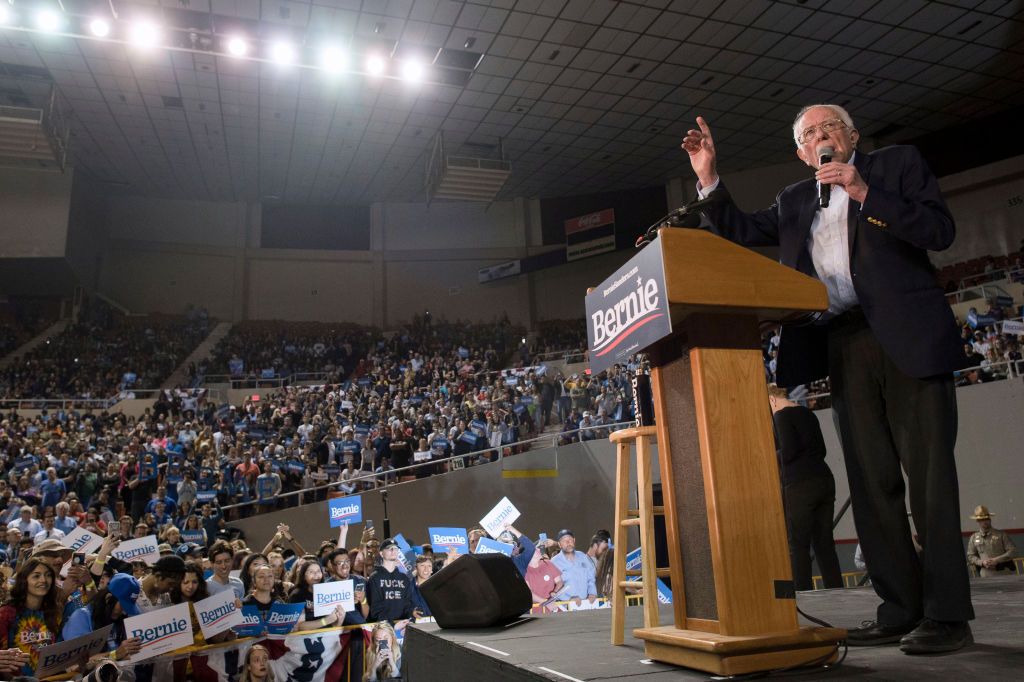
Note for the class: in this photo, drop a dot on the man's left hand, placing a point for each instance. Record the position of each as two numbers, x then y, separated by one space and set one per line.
846 176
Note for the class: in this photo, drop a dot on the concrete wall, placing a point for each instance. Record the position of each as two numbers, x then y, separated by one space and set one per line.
578 498
991 429
34 213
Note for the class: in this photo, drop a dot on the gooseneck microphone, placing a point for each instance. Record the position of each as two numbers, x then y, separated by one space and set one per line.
824 189
684 216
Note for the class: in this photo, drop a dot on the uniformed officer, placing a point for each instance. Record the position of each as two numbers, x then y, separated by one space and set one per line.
989 550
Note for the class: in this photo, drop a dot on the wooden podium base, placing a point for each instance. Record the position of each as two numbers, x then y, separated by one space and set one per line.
724 655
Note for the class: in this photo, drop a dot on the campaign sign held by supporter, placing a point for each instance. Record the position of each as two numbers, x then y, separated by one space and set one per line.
402 543
160 631
327 596
504 512
195 536
346 510
81 540
57 658
206 495
282 617
139 549
252 624
441 537
217 613
489 546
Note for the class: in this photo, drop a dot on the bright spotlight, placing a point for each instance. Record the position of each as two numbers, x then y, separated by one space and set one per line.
6 16
99 28
333 59
282 52
412 70
48 20
145 34
237 47
375 65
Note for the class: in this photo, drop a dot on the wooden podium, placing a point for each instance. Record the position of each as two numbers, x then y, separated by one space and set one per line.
732 591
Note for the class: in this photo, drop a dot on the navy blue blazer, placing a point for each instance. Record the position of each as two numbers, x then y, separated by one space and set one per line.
903 217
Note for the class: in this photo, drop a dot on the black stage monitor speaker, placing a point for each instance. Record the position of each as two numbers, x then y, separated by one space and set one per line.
477 591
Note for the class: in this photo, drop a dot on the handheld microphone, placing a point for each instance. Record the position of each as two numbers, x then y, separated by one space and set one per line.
824 189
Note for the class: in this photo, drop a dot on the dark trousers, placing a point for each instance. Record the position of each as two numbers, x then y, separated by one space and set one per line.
891 424
809 505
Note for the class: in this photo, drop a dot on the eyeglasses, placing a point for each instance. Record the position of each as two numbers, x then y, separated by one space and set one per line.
826 127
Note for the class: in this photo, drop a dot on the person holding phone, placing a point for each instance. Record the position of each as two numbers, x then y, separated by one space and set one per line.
385 659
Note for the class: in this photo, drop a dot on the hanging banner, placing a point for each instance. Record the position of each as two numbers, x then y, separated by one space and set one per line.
591 234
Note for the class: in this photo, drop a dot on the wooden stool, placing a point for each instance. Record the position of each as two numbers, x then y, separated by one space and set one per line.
644 518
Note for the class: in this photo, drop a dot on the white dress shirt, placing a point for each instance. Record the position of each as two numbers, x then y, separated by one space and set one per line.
829 245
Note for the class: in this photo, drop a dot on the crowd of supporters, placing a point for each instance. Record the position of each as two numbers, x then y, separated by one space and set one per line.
23 318
270 349
103 353
560 340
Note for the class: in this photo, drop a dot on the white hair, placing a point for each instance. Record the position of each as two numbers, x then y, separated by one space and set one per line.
842 113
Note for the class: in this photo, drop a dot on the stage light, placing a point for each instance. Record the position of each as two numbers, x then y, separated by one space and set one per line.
237 46
99 28
145 34
6 15
48 20
282 52
333 59
375 65
412 70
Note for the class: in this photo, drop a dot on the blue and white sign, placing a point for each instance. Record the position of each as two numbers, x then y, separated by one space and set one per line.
57 658
160 631
503 513
442 537
206 495
139 549
402 543
282 617
489 546
81 540
252 624
218 613
196 536
344 510
327 597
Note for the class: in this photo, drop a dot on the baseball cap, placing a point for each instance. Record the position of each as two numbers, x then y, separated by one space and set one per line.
565 531
126 589
388 544
187 549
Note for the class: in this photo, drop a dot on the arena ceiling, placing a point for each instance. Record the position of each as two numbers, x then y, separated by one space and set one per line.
584 95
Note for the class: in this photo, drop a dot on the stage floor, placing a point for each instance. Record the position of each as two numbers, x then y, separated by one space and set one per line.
575 646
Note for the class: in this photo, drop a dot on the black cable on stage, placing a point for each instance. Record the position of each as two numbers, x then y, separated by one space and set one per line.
817 665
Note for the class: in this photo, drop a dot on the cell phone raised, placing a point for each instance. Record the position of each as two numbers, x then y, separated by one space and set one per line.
114 528
383 645
78 559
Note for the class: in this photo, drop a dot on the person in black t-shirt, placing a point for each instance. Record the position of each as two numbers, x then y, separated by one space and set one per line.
389 590
809 491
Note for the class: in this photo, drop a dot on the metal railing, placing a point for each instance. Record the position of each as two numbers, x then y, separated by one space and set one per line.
974 287
96 403
243 381
391 476
570 355
1014 369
